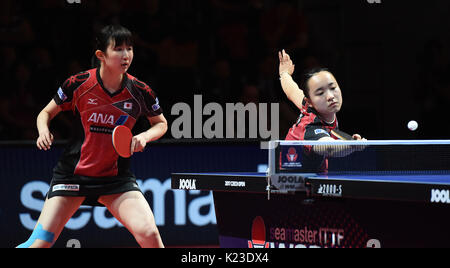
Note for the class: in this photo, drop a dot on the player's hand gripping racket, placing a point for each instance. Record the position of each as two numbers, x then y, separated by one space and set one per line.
341 135
121 139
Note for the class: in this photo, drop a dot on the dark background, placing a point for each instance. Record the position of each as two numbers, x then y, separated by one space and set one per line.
390 58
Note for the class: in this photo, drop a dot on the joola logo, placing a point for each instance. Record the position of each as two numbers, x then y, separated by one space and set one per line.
187 184
440 196
101 118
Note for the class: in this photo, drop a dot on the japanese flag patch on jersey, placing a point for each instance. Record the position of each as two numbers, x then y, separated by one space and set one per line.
128 105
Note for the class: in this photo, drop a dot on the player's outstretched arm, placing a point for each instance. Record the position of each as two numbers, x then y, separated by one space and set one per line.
290 87
45 139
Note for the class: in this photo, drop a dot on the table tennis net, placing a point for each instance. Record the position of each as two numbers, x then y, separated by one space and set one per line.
355 157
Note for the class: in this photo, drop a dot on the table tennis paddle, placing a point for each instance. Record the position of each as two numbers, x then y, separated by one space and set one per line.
341 135
121 139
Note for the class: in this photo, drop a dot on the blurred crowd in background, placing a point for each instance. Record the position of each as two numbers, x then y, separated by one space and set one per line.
225 50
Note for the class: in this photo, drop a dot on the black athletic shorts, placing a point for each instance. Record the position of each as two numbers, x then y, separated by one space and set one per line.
91 188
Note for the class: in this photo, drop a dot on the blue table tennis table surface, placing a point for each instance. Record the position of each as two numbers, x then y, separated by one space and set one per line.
423 178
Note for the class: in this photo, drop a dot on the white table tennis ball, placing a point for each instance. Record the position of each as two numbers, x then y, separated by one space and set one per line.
412 125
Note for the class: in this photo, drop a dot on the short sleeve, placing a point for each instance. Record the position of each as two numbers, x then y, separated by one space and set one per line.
65 93
151 101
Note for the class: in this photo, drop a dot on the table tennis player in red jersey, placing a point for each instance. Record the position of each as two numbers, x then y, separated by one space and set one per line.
90 171
318 102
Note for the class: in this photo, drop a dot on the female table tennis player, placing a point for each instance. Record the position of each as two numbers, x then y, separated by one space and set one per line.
318 103
90 171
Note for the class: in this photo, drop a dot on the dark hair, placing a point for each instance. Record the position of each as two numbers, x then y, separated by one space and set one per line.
308 75
115 34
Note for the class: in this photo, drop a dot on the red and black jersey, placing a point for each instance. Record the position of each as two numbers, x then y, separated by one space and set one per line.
91 153
309 126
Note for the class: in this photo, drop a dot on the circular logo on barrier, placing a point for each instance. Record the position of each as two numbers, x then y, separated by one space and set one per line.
292 155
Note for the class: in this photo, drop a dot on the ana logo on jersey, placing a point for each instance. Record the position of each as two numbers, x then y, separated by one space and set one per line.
107 119
101 118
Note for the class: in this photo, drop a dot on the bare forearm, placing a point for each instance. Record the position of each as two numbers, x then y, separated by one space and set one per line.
46 115
288 84
43 122
337 150
45 139
291 89
155 132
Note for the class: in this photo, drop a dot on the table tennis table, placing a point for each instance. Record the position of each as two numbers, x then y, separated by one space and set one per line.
425 187
341 206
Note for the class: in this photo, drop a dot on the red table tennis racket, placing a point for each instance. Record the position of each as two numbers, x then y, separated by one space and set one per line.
121 139
341 135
